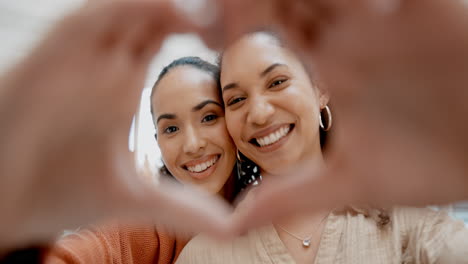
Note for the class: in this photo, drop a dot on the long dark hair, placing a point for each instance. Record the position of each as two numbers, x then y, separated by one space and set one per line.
232 187
193 61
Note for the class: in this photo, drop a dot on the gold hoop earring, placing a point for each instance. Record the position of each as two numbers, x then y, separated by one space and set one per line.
329 118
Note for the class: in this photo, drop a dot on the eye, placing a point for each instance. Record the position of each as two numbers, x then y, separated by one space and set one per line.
235 101
171 130
277 82
209 118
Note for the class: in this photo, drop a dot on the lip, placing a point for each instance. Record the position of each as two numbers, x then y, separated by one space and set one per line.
276 145
206 173
267 131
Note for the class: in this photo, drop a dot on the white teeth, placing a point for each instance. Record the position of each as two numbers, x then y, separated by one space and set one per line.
273 137
203 166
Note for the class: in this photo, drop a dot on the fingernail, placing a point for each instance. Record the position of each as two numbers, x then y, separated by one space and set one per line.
202 13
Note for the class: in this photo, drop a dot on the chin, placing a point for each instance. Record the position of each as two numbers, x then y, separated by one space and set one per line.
210 189
280 166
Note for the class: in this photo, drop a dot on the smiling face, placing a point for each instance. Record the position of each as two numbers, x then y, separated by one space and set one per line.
191 130
272 107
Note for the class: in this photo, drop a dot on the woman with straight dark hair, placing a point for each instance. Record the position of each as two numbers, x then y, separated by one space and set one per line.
196 148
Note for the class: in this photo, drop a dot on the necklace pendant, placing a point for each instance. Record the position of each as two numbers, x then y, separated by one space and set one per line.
306 243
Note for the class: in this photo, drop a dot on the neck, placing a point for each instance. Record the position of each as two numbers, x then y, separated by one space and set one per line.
312 161
302 219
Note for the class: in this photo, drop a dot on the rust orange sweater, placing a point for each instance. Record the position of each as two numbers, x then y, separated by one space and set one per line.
116 244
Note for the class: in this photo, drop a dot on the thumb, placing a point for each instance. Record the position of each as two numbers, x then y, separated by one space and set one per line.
303 190
178 207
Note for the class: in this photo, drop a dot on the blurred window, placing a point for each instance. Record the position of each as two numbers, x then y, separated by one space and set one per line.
460 210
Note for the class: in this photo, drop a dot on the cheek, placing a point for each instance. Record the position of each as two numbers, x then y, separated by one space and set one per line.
229 151
306 104
308 112
221 137
228 144
234 126
169 150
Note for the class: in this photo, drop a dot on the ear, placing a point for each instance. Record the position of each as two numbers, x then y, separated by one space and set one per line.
324 98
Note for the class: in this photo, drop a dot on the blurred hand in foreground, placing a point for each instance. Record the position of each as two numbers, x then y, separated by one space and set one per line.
66 111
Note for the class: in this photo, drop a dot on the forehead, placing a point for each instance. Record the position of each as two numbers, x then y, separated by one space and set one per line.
184 87
253 53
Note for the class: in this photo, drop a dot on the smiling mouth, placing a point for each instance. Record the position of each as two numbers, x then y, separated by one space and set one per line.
273 137
203 166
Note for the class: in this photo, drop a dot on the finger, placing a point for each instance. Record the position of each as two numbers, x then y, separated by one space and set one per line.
143 37
198 211
132 41
187 209
172 22
307 190
145 32
130 20
302 22
236 18
177 207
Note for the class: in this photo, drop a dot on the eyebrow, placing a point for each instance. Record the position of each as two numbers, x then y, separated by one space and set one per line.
166 116
230 86
271 68
200 106
265 72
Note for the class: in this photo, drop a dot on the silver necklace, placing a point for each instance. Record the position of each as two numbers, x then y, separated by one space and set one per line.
307 240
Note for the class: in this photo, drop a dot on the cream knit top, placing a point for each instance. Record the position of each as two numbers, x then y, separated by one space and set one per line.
413 235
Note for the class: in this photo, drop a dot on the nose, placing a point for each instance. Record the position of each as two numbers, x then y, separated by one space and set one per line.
260 111
194 141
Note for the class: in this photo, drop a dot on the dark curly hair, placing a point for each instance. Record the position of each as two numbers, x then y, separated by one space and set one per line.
380 215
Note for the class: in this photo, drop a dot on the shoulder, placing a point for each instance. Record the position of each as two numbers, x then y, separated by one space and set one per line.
418 216
432 234
113 241
425 223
